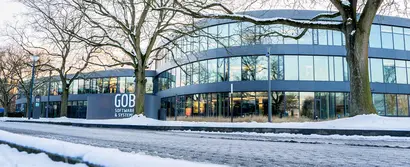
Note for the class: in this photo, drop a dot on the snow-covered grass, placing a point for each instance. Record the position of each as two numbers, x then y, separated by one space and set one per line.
100 156
364 122
11 157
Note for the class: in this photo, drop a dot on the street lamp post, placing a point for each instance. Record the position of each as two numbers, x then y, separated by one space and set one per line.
30 99
269 88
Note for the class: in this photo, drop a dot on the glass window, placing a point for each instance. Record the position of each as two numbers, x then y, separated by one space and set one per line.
337 38
248 68
195 73
149 87
387 39
106 86
403 105
375 41
262 68
291 68
292 31
113 85
389 71
122 84
222 69
189 74
183 75
331 69
408 71
212 35
235 69
378 102
307 38
248 103
94 85
130 84
223 35
80 86
87 86
203 43
268 35
277 67
329 37
401 75
234 36
322 37
75 86
178 76
391 109
340 105
248 34
338 69
376 70
203 72
306 68
292 104
212 70
321 68
346 70
307 104
398 38
407 38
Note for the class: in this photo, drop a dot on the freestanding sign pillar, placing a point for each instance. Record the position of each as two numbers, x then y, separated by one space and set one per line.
230 102
269 88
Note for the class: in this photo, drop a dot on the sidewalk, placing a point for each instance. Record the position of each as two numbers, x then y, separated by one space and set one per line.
365 125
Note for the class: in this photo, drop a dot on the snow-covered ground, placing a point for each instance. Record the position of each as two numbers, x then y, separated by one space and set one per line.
366 122
11 157
101 156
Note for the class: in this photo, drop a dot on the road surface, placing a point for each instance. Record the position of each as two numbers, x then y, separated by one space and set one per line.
233 149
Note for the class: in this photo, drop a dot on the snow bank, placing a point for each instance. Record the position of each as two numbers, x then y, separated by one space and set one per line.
366 122
11 157
96 155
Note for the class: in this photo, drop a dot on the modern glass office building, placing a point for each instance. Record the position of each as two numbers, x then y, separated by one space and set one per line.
309 76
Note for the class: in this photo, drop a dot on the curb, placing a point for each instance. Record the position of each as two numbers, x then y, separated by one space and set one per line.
347 132
52 156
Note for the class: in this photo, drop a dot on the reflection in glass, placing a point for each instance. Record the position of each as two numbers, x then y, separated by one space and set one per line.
212 70
375 41
338 69
407 38
113 85
212 35
291 31
307 38
234 36
331 69
376 70
378 102
149 88
262 68
391 109
403 105
389 71
248 103
340 105
195 73
292 104
321 68
249 68
278 103
398 38
337 38
306 68
203 72
223 35
387 38
291 67
401 75
306 104
235 69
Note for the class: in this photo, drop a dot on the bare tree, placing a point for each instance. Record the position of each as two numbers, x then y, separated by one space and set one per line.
51 20
355 22
133 28
8 83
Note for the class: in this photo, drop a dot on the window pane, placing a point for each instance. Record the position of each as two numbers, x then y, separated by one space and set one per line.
337 38
340 105
307 38
387 39
248 34
75 87
346 70
331 69
189 74
106 85
376 70
391 108
306 68
321 68
389 71
338 69
291 70
203 43
262 68
183 75
408 71
248 68
235 69
86 86
292 104
212 70
203 72
80 86
292 31
322 37
403 105
378 102
401 72
398 38
213 34
178 76
149 88
249 103
234 36
130 84
307 104
276 67
113 85
407 38
195 73
222 69
375 41
271 38
122 84
223 35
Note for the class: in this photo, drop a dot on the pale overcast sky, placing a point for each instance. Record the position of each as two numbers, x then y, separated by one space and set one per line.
8 8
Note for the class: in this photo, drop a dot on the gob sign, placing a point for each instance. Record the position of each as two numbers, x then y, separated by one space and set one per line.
124 105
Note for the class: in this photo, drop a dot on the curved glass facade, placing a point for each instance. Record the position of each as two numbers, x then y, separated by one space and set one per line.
388 73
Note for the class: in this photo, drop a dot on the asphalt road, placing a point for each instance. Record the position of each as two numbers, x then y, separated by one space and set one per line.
234 149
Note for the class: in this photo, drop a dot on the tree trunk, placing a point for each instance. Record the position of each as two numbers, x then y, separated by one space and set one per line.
357 59
28 102
7 109
140 89
64 100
